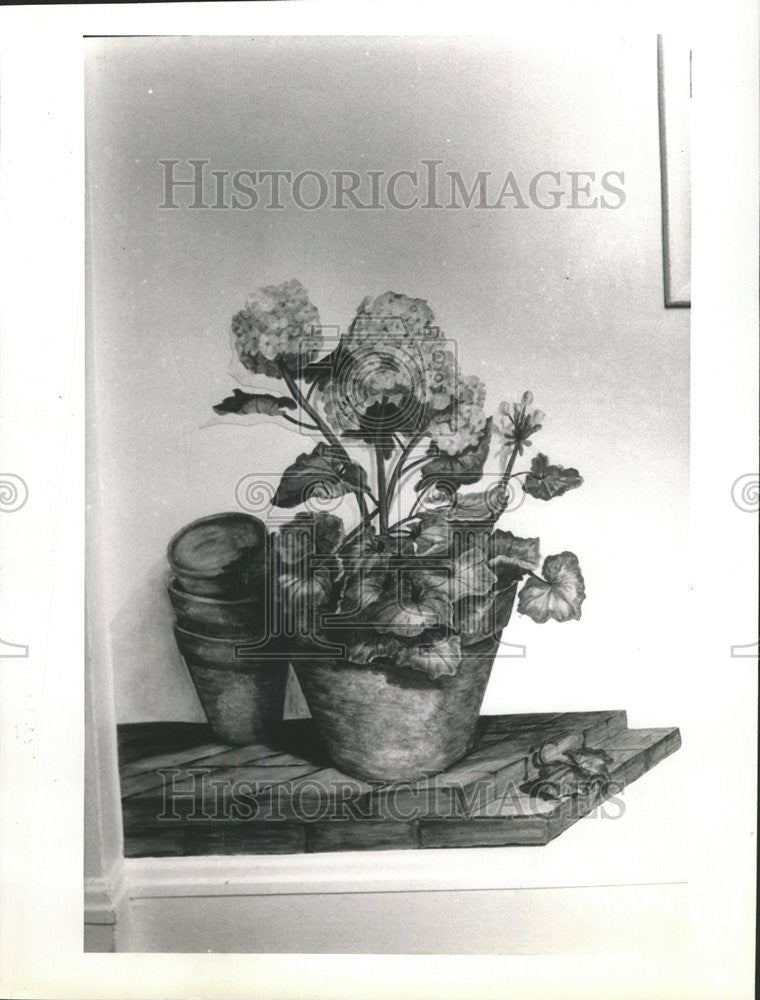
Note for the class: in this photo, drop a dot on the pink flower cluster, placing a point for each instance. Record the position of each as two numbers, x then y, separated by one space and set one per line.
279 326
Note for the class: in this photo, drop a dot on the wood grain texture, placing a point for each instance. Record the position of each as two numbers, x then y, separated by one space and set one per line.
227 837
185 794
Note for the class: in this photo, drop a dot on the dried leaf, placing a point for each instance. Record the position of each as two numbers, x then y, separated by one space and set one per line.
254 402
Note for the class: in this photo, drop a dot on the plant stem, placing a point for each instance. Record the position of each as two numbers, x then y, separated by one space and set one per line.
415 505
510 464
396 474
299 423
413 465
326 430
312 388
323 426
382 492
504 482
358 529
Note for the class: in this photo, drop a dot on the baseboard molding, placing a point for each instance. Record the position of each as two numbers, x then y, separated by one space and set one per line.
639 920
104 896
99 938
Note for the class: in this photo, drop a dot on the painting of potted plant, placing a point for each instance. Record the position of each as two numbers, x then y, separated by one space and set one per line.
392 622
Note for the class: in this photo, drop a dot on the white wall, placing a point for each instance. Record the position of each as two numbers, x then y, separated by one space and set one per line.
566 302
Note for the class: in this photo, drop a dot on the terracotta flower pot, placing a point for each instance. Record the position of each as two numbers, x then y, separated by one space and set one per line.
212 616
242 698
220 556
386 723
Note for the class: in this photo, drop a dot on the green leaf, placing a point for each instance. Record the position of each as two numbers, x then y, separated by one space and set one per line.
469 574
254 402
472 615
364 647
485 505
301 597
365 584
559 595
545 481
456 470
436 659
328 531
479 618
309 567
380 421
326 368
433 539
436 498
309 534
410 617
362 541
312 590
511 553
324 473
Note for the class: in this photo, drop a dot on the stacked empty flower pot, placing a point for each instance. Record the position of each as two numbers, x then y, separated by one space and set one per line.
219 593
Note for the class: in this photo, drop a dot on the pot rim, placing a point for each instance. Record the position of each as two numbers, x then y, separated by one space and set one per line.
189 571
222 639
172 588
470 651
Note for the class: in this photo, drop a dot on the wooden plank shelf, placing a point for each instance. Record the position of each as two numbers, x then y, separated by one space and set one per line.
184 793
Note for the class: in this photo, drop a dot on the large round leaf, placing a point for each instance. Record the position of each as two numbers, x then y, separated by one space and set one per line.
456 470
545 481
323 473
559 595
436 659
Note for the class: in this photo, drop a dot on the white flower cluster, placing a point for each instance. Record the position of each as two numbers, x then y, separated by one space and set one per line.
461 430
279 325
441 376
382 363
516 423
408 348
394 316
462 426
395 355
